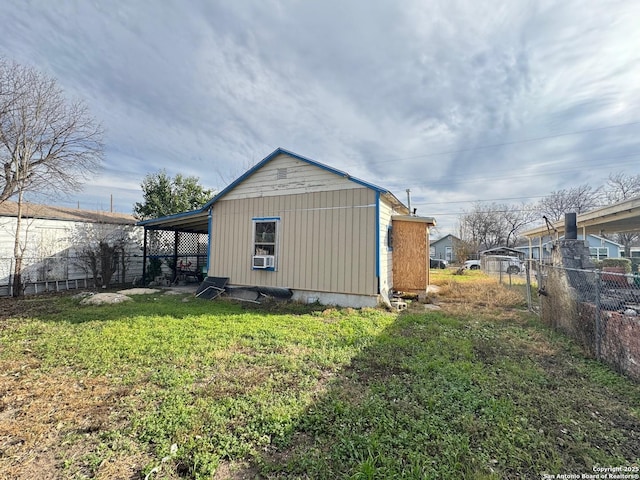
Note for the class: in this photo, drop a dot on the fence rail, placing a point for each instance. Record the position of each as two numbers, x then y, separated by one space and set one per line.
59 273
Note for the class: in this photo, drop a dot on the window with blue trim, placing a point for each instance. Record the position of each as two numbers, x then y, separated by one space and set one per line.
265 243
264 240
390 237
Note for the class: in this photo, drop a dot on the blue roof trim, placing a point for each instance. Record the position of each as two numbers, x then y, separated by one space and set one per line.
279 151
174 216
258 166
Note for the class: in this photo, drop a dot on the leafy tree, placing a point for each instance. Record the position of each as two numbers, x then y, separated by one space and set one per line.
164 195
47 144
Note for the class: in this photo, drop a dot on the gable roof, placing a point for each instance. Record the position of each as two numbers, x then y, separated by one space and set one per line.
197 220
453 238
278 151
50 212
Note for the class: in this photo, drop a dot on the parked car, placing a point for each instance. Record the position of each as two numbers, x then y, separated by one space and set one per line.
437 263
503 263
472 265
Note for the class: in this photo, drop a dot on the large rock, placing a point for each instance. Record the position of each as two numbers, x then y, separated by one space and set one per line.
102 298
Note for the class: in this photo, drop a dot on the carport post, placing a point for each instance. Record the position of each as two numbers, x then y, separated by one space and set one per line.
144 257
176 239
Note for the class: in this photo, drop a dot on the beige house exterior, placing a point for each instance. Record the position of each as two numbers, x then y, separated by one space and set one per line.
293 223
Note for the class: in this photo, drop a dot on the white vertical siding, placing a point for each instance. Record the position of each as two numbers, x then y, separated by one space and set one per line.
54 239
386 255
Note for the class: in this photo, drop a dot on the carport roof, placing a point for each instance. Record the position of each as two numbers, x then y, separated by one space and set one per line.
196 221
623 216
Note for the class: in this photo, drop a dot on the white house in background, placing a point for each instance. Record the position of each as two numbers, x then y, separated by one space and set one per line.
599 248
48 235
293 223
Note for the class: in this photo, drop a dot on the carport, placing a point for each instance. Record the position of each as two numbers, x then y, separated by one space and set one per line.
620 217
178 243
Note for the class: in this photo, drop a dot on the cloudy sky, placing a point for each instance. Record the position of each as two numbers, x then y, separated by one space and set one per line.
459 101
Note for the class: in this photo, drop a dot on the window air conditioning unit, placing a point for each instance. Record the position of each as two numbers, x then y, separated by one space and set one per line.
263 261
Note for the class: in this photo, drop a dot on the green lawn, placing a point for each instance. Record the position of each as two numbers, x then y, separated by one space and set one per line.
175 387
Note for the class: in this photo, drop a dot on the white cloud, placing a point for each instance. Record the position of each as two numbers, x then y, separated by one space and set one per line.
377 88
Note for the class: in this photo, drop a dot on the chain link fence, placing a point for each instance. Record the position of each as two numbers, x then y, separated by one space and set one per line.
59 273
598 308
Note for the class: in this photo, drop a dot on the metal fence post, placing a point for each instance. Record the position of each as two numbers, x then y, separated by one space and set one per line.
598 313
11 277
539 275
527 268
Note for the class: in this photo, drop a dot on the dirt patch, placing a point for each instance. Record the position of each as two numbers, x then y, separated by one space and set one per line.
27 306
51 424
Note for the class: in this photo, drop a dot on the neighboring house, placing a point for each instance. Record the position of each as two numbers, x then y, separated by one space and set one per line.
599 248
445 248
293 223
50 236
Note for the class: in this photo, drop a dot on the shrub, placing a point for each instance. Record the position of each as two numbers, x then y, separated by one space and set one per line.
617 262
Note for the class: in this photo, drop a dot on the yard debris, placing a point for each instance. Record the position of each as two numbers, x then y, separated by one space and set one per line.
156 469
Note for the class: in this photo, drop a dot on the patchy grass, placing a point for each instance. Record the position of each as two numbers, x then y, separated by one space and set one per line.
197 389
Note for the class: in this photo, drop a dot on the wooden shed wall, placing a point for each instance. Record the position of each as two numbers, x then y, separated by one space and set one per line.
410 256
326 240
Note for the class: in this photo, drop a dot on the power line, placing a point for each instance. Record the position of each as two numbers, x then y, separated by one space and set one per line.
478 200
595 166
503 144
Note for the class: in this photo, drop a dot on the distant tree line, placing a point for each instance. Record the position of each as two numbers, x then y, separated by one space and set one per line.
486 226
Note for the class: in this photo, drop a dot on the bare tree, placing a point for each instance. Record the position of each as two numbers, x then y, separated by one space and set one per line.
515 219
47 144
493 225
100 249
621 187
576 199
464 250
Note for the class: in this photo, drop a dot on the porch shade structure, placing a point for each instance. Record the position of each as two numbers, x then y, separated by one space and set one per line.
177 237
